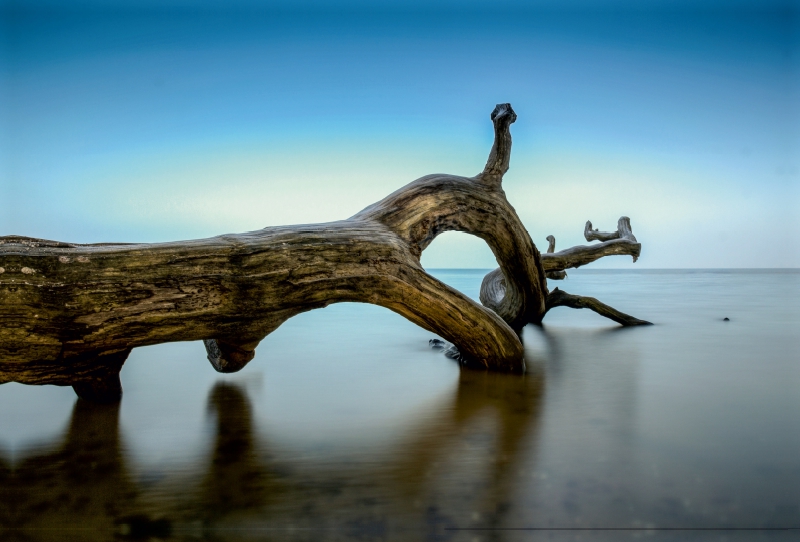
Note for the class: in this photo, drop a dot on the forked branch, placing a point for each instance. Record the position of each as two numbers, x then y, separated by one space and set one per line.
620 242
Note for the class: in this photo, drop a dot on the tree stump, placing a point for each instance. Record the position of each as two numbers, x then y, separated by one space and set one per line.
71 313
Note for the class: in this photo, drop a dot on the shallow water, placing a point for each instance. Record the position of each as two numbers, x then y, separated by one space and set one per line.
347 426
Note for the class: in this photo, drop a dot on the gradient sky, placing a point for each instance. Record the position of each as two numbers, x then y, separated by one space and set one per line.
153 121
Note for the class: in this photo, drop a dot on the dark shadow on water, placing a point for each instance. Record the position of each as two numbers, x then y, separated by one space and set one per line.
456 467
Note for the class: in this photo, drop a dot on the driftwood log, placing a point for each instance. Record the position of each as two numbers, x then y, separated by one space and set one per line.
72 313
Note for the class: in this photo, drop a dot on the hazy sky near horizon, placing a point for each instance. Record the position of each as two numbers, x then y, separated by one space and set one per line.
155 124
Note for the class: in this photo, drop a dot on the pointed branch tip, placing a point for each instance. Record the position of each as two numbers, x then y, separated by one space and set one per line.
560 298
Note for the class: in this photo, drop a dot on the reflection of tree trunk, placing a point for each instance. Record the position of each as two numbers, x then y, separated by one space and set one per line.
6 498
84 483
242 489
237 482
79 490
512 404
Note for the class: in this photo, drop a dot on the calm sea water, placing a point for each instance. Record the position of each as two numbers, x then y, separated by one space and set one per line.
347 426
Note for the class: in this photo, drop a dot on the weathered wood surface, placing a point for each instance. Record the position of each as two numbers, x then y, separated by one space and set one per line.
71 313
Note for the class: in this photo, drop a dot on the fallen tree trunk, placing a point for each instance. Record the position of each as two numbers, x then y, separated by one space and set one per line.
71 313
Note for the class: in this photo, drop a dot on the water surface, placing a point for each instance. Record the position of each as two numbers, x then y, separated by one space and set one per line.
347 426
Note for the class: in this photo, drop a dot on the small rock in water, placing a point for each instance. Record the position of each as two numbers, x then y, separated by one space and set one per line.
437 344
726 319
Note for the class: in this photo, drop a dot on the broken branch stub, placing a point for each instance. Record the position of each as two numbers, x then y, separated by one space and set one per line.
623 231
71 313
558 274
551 244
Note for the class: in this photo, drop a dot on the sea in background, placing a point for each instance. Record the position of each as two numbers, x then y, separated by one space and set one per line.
347 426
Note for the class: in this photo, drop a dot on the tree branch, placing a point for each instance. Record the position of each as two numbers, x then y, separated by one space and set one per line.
551 248
551 244
499 158
559 298
620 242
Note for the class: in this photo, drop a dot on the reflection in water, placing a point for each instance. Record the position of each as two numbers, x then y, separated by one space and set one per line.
455 469
689 423
238 483
80 489
482 435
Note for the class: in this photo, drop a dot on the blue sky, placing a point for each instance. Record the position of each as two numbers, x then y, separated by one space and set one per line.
156 122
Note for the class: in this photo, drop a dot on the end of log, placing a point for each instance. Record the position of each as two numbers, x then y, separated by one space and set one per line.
556 275
103 390
503 117
102 384
551 243
624 231
551 248
226 357
503 114
595 235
